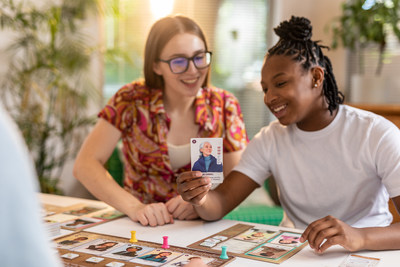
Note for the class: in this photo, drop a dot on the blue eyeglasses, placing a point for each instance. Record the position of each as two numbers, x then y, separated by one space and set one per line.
181 64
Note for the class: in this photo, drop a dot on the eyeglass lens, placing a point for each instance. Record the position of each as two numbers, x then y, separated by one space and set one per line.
180 64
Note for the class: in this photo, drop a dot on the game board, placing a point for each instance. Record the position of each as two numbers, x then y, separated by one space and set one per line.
79 216
91 249
252 242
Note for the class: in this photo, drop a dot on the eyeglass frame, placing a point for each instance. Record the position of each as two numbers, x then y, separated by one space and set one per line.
188 59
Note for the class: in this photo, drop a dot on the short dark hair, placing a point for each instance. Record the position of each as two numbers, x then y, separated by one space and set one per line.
295 41
160 33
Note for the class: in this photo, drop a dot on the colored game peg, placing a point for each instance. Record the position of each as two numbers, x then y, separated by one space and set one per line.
165 243
133 237
224 255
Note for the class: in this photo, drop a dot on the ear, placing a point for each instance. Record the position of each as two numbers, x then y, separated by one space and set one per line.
157 68
317 73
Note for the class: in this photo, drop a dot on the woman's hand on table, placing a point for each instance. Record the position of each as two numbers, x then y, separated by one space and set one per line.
181 209
193 187
152 214
334 232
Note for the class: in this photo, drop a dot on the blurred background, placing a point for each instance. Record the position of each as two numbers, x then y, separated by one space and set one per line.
62 60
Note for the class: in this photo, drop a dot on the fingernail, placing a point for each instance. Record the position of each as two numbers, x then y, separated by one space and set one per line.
198 174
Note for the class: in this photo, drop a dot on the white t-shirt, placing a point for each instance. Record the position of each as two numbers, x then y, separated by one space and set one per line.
347 170
23 239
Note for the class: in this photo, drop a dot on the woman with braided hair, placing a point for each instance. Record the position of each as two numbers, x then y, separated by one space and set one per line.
336 166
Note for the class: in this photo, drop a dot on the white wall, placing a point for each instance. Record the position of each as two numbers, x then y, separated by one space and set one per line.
320 13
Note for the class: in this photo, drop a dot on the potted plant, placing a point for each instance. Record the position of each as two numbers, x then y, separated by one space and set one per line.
47 87
367 25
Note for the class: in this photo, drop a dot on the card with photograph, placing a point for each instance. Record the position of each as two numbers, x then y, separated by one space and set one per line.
82 211
75 240
98 246
185 259
127 252
256 235
207 157
157 257
80 223
287 239
108 214
270 251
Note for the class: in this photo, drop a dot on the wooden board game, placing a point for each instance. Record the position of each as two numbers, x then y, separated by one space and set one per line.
91 249
257 243
79 216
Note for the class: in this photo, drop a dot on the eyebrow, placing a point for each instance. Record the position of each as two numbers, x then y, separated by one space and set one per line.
184 55
273 77
278 74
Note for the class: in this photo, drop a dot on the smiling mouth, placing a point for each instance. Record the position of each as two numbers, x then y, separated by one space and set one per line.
279 108
191 81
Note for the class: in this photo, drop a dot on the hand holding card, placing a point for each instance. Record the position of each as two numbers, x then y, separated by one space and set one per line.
193 187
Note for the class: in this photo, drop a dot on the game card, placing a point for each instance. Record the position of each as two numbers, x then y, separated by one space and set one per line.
60 217
82 211
75 240
94 259
156 257
115 264
81 223
207 157
235 246
256 235
70 256
287 239
127 252
354 260
108 214
185 259
270 251
98 246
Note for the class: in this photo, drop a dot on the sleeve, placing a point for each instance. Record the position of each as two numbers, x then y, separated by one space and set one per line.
385 149
235 132
197 167
254 160
119 109
21 227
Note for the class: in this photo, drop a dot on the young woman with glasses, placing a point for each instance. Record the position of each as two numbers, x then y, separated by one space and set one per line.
155 119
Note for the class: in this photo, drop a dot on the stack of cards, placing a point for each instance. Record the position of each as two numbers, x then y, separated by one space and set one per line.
207 157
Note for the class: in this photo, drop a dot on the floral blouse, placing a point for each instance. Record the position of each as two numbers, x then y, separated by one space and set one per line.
138 112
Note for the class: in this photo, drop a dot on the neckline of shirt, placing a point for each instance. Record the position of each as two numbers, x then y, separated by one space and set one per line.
320 133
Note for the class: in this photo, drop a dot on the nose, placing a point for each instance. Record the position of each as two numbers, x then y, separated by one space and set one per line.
191 67
270 96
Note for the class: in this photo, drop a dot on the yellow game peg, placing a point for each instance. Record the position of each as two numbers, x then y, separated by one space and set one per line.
133 237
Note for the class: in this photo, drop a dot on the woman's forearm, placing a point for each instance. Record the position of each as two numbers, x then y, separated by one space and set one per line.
100 183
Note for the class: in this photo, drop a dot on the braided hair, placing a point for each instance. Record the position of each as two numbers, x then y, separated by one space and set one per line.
295 41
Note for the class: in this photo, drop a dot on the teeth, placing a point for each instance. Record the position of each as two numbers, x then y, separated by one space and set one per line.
190 81
279 108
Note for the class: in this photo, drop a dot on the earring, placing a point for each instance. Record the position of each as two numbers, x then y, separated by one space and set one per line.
315 84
